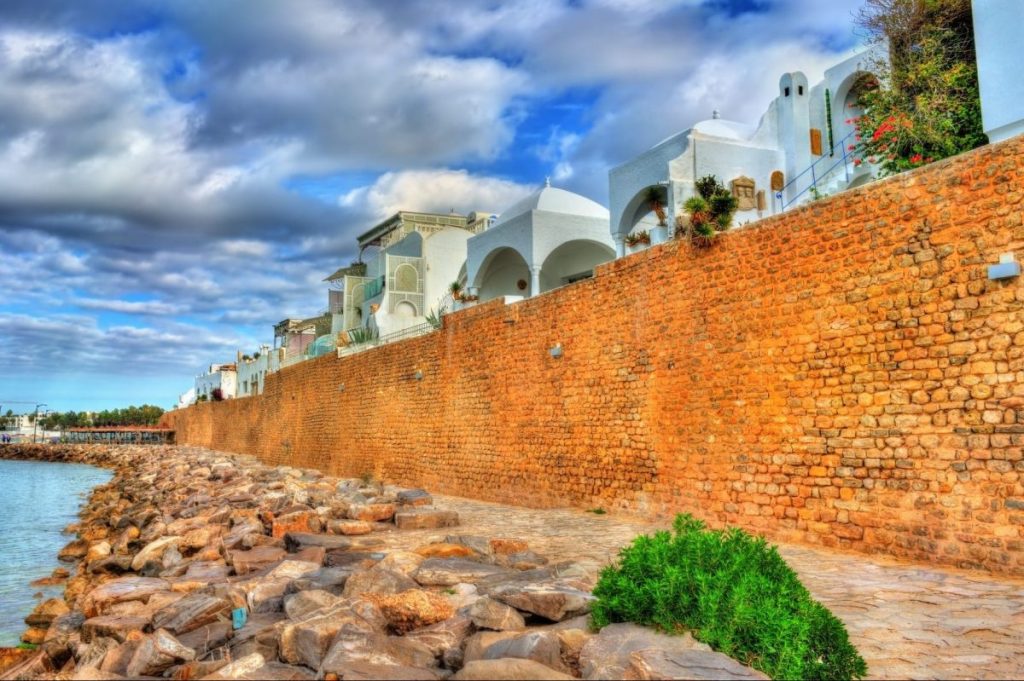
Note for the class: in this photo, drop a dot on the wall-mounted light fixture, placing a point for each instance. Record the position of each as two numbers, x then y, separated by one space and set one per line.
418 375
1006 269
556 350
341 387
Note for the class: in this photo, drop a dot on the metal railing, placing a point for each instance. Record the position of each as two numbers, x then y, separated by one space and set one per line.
411 332
818 175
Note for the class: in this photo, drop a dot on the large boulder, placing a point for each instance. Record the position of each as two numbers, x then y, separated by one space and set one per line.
191 612
425 519
687 664
154 551
122 590
379 581
117 627
452 571
412 609
258 558
156 653
510 669
488 613
46 612
554 600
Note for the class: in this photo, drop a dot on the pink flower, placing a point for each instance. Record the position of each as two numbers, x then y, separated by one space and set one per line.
916 158
851 147
857 161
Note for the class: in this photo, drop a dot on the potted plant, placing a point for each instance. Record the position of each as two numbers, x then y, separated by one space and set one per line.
655 199
708 213
637 241
456 289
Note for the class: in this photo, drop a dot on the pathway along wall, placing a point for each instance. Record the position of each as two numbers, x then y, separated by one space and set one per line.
844 374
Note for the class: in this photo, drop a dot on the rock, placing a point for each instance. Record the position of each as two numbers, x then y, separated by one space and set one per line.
481 641
607 654
117 627
451 571
506 547
98 551
330 579
414 497
296 541
355 646
293 569
540 646
306 642
191 612
158 652
687 664
208 571
113 565
265 595
66 625
46 612
349 527
512 669
445 550
481 545
376 580
154 551
74 551
353 560
488 613
121 590
404 562
444 636
298 522
411 609
572 642
200 537
207 638
526 560
239 668
298 606
423 519
552 600
268 671
33 636
371 512
258 558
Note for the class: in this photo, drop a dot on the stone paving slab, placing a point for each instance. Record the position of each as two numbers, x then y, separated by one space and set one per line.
907 620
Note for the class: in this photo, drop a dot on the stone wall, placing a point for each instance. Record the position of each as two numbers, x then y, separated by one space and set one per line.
844 375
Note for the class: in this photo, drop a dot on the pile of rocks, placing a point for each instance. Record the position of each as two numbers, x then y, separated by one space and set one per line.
194 564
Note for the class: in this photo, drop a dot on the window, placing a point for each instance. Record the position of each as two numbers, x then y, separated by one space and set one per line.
786 91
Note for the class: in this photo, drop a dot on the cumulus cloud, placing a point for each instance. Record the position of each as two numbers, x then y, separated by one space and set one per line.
436 191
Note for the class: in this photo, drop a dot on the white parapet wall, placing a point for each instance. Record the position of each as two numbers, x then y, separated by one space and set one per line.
998 27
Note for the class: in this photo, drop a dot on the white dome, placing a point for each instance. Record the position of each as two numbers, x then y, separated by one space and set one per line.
717 127
554 200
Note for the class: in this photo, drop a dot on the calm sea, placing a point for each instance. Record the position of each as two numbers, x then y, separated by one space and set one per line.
37 501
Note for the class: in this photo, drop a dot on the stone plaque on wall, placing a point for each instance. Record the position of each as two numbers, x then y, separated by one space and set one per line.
778 181
761 202
816 142
743 188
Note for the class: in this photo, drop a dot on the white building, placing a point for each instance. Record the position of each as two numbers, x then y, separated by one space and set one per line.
1000 53
187 398
414 259
548 239
222 376
799 149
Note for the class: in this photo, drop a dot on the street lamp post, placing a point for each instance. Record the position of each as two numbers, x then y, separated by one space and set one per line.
35 421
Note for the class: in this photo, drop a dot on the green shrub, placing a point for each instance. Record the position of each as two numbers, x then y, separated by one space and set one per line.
735 593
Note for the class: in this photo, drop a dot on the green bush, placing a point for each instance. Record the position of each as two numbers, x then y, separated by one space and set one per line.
735 593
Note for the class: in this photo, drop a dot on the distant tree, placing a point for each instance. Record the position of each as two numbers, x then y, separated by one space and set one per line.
922 105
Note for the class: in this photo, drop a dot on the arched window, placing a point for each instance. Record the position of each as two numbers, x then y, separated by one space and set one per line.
406 278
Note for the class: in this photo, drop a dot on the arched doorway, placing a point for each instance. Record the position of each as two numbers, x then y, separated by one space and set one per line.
640 215
572 261
504 273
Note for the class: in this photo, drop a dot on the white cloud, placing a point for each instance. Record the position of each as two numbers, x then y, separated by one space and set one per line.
436 191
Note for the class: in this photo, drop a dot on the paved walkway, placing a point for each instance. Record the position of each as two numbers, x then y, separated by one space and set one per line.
907 620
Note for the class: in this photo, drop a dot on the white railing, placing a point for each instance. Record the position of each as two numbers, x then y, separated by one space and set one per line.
411 332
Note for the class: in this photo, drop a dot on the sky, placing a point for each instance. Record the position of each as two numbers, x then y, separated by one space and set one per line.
176 176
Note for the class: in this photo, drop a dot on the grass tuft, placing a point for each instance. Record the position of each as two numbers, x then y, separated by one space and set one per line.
735 593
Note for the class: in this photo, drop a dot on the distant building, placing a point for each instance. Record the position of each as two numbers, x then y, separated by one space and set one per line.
549 239
800 149
187 398
223 376
1000 52
414 258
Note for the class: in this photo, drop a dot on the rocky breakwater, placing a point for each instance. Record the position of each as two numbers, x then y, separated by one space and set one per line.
194 564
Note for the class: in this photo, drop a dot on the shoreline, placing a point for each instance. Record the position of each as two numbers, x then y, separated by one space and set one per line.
198 564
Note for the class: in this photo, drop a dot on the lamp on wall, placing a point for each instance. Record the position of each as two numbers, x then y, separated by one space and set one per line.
418 375
1006 269
341 387
556 350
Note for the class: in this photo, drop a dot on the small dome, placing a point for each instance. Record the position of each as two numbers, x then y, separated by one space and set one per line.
717 127
553 200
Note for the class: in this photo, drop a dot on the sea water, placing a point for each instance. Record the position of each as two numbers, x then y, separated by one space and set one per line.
37 501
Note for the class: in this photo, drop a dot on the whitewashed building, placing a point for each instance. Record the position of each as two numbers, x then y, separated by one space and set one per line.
1000 53
223 376
548 239
798 150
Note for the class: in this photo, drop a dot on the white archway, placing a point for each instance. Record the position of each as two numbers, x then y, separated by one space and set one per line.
504 272
572 261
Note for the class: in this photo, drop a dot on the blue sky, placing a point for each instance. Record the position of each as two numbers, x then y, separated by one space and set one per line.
177 176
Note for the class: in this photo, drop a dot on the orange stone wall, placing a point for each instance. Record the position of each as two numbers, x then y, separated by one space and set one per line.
843 375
